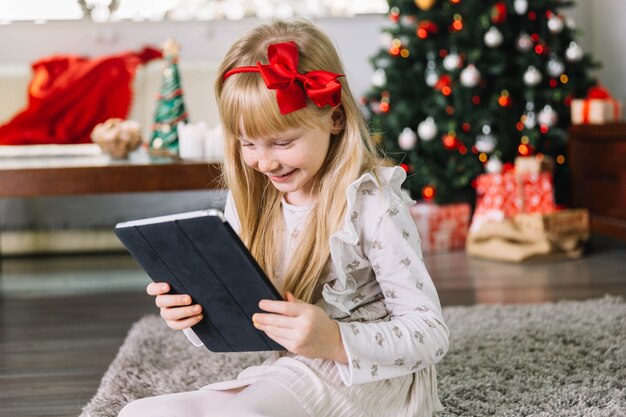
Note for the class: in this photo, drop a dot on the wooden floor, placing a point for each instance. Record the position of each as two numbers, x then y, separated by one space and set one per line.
55 348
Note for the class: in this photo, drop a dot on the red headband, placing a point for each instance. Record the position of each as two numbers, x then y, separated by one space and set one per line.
281 74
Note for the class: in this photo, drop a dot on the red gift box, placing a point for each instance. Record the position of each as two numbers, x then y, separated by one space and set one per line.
503 195
598 107
441 228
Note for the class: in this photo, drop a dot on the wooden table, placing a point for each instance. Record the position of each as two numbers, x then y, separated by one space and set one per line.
47 179
35 177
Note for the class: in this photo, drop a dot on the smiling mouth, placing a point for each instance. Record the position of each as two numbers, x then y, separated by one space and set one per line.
280 177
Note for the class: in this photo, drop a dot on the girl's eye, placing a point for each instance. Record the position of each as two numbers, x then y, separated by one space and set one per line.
247 145
283 144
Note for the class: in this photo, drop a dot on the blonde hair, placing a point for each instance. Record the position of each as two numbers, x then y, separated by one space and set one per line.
247 106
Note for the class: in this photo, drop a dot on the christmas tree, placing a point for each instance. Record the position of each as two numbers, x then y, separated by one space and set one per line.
170 108
461 85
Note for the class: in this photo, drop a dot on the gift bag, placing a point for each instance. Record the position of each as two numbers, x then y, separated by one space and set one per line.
534 236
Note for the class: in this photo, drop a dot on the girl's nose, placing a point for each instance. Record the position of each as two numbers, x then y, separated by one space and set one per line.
268 164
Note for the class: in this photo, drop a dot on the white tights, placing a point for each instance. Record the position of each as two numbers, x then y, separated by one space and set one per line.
261 399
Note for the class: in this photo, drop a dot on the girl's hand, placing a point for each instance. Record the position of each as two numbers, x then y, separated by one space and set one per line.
302 328
175 308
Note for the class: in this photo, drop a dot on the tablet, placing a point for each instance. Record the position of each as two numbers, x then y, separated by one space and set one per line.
198 253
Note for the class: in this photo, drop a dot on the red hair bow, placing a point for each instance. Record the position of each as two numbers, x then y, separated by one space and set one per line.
292 88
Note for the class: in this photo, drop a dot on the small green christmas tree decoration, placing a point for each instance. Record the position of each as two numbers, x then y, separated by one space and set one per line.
170 108
461 85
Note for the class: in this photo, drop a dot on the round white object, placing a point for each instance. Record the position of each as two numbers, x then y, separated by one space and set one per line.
555 66
427 129
494 165
407 139
547 116
532 76
493 37
452 61
524 42
485 143
470 76
379 78
555 24
520 6
574 52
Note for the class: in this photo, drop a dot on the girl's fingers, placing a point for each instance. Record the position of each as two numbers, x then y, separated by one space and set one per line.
275 320
157 288
180 313
172 300
286 308
183 324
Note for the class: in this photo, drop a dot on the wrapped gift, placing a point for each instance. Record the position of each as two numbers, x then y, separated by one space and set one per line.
524 237
598 107
442 228
533 164
502 195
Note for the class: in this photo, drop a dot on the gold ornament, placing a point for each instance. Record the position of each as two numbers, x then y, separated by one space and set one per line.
425 4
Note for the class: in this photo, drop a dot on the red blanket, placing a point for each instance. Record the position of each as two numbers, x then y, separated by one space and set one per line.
68 95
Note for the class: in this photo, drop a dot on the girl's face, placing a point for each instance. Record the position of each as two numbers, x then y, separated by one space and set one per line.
290 159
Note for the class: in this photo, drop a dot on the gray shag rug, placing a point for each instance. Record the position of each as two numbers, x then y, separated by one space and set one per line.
559 359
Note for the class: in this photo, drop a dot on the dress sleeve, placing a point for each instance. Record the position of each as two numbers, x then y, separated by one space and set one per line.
416 335
231 217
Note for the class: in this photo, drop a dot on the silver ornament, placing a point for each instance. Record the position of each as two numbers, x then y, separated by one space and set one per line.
555 66
494 165
555 24
452 61
574 52
520 6
379 78
547 116
493 37
407 139
427 129
470 76
530 119
532 76
524 42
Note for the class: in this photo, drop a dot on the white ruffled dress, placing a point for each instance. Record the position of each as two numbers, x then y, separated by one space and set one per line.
387 307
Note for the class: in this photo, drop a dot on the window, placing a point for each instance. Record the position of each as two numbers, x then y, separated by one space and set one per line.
139 10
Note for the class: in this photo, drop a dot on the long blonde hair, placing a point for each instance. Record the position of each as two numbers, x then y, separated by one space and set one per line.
247 106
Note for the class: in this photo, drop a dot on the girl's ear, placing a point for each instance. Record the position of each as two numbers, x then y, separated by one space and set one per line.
339 120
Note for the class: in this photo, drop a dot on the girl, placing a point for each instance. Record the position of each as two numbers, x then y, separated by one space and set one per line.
362 323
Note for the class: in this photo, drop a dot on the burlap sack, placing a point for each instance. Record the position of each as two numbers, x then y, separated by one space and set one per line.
532 236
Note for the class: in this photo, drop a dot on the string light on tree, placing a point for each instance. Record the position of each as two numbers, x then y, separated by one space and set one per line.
428 192
425 4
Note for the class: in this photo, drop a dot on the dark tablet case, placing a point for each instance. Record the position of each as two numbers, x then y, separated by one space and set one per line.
203 256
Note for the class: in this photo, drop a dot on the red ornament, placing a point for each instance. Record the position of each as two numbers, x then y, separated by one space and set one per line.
405 167
444 81
498 13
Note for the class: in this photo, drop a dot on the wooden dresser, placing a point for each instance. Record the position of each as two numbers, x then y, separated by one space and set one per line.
597 160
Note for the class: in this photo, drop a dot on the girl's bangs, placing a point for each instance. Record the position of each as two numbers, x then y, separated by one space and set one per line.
256 109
